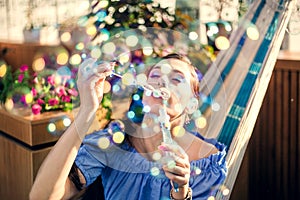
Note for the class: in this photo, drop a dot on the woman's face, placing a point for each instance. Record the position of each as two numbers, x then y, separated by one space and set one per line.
175 76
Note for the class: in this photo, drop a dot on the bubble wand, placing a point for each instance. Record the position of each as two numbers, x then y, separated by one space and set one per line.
165 125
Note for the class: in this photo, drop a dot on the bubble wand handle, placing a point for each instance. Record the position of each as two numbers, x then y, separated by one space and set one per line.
164 120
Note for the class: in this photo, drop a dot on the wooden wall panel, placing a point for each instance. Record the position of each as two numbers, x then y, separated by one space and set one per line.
18 166
272 160
274 147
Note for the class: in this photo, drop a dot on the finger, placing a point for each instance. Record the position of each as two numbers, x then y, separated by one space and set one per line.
180 180
103 67
177 170
97 80
90 67
174 148
183 162
85 67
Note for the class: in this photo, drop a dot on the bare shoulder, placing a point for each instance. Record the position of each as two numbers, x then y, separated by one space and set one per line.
196 148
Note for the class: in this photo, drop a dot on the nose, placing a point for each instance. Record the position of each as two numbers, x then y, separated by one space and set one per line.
164 81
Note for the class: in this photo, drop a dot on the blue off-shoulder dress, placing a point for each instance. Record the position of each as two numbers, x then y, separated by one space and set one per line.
128 175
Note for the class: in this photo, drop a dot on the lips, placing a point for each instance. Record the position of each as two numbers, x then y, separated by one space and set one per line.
161 92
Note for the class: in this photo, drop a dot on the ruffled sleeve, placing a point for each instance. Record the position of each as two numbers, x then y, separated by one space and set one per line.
208 174
90 166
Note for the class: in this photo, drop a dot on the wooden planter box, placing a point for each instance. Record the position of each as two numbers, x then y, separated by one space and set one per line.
24 143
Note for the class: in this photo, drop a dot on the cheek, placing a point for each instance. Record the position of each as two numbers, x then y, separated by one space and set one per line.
183 93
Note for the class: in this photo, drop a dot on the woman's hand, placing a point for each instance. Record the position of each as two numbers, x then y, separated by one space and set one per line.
90 83
177 168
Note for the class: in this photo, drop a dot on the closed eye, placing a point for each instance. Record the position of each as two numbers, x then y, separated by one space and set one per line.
155 76
178 78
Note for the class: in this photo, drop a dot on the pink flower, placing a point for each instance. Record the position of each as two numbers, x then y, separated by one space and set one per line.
40 101
60 91
53 102
36 80
33 92
73 92
50 80
20 78
24 68
36 109
66 99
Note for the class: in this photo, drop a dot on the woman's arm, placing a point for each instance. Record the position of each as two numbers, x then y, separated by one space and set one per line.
52 180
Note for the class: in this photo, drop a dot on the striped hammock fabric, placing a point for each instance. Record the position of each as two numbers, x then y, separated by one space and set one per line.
239 78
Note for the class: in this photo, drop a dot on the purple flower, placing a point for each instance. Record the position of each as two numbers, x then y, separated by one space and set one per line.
51 80
53 102
36 109
24 68
73 92
23 100
20 78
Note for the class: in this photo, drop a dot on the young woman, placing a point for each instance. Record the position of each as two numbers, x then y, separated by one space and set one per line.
143 165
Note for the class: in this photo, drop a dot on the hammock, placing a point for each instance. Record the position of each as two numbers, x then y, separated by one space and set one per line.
239 78
236 82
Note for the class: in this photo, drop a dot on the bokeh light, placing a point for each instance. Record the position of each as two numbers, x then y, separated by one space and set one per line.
171 164
178 131
96 52
103 4
107 87
215 107
156 156
211 198
109 48
104 142
154 171
51 127
91 30
132 40
62 58
104 36
128 79
38 64
193 35
225 192
67 122
65 37
147 51
222 43
166 69
252 32
9 104
201 122
79 46
75 59
118 137
28 98
197 171
141 79
3 69
124 58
